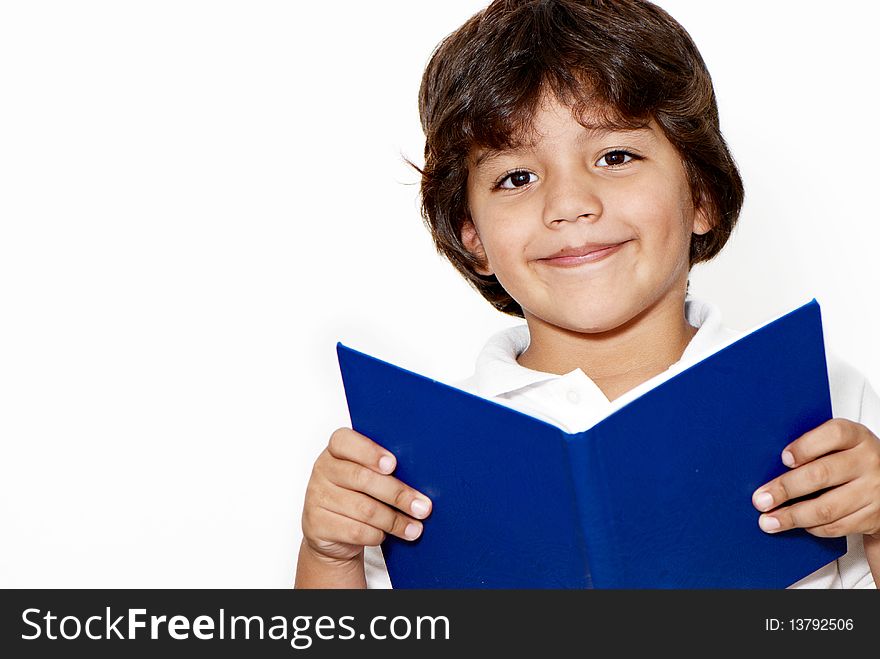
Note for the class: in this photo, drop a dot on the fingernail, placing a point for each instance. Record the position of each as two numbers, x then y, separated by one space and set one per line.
768 523
386 464
419 507
412 531
764 501
787 459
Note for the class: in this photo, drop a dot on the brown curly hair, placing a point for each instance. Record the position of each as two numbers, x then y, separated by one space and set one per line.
625 59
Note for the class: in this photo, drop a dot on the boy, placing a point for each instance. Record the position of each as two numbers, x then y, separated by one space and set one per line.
574 173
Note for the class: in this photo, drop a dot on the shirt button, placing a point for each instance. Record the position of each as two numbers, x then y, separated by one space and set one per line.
573 397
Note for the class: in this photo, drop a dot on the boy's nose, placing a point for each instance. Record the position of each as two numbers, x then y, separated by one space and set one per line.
570 199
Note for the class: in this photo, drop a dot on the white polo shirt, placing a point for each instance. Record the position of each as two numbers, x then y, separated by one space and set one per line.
574 403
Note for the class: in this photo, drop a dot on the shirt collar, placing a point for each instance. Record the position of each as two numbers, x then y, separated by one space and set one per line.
497 371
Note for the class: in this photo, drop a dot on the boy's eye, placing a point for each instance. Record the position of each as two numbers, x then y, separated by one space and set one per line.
615 158
515 180
521 177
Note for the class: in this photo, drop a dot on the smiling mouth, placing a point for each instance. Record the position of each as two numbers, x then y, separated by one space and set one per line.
571 258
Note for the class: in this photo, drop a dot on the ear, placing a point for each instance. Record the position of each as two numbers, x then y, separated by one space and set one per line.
702 223
471 240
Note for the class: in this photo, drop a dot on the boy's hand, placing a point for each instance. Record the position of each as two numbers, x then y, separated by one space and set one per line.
352 501
841 456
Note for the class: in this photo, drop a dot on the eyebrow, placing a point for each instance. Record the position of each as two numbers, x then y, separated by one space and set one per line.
591 130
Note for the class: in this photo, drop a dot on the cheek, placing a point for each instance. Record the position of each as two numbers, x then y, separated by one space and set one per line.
503 238
504 258
660 219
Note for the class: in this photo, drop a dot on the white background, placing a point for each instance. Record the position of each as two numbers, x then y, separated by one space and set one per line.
198 199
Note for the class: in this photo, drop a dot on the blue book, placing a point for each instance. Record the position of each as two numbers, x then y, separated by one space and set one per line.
656 495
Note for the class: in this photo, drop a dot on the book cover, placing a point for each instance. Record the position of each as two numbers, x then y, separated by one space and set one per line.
655 495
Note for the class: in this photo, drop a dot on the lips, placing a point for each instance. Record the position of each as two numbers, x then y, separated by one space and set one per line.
588 253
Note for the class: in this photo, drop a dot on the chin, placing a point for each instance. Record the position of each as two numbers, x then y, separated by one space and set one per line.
592 319
595 327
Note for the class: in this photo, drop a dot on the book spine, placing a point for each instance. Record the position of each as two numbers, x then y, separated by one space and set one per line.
593 505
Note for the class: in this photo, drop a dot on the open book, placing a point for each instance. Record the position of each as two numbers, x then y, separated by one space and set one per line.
656 495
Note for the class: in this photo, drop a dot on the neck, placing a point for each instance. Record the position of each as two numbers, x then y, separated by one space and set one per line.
616 360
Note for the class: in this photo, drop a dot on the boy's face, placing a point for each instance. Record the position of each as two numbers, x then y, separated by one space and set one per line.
538 212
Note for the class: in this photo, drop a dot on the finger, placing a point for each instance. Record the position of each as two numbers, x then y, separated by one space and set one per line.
833 435
338 528
855 522
827 471
387 489
826 509
367 510
348 444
